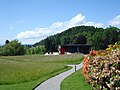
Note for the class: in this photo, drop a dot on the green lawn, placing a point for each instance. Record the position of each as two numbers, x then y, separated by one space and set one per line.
25 72
75 81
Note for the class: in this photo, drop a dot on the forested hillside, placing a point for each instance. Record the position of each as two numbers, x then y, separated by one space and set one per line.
100 38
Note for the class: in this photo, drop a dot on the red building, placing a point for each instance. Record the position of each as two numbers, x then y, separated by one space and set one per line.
62 50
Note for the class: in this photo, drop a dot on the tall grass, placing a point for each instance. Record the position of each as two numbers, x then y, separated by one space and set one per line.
29 71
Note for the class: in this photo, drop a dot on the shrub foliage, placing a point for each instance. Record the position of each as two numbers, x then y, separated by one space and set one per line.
12 48
102 68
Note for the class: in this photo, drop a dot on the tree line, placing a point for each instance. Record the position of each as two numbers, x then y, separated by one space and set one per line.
99 38
15 47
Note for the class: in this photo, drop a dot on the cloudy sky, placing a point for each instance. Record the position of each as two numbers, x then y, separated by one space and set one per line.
30 21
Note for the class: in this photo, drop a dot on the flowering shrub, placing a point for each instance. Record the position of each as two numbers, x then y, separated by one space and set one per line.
85 68
102 68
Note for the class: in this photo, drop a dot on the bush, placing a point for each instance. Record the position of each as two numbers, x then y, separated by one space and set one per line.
12 48
35 50
102 68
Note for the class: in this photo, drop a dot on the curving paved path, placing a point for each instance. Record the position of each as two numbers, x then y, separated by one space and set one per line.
54 82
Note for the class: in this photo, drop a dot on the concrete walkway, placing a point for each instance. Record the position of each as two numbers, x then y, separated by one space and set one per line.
54 82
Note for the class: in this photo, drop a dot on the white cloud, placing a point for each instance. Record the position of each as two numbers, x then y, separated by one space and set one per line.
38 32
76 21
115 21
93 24
57 27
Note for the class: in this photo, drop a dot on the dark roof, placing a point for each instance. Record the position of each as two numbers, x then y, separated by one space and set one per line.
67 45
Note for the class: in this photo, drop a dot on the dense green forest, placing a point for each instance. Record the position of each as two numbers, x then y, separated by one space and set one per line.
100 38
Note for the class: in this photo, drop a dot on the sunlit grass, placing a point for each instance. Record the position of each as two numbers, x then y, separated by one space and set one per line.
75 81
32 70
17 72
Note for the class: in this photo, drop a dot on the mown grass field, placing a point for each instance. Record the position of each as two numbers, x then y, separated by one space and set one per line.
75 81
25 72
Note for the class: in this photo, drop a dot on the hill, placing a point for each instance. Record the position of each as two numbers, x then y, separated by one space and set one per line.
100 38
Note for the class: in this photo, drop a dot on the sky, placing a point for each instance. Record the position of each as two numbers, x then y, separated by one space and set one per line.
30 21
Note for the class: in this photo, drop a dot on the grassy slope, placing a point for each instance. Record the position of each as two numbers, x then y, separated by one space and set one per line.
25 72
75 81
